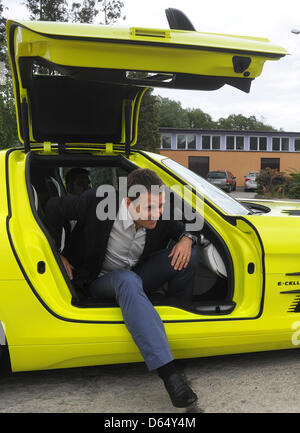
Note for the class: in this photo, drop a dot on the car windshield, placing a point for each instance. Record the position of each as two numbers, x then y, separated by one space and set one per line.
217 175
226 203
253 174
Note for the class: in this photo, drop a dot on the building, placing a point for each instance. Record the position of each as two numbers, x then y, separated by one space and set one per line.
237 151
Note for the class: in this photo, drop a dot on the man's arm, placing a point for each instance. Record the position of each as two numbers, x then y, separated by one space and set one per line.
182 250
61 209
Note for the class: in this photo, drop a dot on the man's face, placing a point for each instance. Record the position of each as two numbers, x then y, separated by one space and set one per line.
147 209
81 184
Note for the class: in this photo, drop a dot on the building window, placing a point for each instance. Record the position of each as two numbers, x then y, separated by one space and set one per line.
216 140
239 143
297 145
281 144
234 142
181 141
262 143
258 143
211 142
206 142
191 141
253 143
186 141
270 163
166 141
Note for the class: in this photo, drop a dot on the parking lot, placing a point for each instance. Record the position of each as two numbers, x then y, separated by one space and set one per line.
250 383
240 193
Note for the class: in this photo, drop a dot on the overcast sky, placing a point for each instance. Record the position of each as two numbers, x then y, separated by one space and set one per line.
274 96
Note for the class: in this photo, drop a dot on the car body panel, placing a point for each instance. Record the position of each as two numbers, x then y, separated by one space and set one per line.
107 53
250 180
223 179
61 335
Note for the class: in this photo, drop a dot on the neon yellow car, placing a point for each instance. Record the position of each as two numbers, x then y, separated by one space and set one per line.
78 90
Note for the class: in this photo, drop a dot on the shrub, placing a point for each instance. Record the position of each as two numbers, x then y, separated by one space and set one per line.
294 188
272 183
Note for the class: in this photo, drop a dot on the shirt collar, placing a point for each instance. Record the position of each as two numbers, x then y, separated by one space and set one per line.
126 217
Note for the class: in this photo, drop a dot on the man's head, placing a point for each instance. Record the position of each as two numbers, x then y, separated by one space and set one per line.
78 181
145 197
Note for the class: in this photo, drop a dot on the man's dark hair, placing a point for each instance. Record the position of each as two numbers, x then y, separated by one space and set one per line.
76 180
144 177
74 173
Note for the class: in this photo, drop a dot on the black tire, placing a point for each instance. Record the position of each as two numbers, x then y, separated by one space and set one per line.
5 366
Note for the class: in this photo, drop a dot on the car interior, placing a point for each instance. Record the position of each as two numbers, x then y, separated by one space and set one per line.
45 177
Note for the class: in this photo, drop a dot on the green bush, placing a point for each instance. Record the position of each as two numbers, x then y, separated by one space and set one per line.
273 183
294 188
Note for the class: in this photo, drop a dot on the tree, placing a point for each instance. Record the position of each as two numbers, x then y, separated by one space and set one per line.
242 123
111 10
48 10
171 114
85 12
148 132
198 119
8 124
3 48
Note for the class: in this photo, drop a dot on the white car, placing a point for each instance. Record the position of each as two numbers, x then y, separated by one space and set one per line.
250 180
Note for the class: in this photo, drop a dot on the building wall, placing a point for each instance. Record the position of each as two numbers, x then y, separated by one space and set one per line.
239 163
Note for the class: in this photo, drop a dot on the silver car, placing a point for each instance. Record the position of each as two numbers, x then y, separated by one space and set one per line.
224 179
250 180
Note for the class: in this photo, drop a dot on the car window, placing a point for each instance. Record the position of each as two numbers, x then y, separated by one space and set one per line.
224 201
217 174
253 174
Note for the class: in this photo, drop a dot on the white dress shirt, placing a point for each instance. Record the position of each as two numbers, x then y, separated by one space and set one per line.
125 245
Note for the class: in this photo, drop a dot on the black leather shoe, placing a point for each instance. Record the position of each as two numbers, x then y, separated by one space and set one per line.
180 393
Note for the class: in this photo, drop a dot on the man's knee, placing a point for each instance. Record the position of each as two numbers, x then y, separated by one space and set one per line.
128 282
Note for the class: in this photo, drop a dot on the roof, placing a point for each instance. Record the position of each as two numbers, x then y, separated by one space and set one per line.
227 131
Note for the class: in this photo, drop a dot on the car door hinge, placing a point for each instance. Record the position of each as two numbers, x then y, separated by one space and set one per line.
47 147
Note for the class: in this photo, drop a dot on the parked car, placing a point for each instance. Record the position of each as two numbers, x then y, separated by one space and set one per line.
224 179
250 180
77 106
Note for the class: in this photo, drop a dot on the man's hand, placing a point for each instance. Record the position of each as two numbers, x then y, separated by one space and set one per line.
69 268
181 253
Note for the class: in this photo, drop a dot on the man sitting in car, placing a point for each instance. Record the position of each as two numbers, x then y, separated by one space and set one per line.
127 257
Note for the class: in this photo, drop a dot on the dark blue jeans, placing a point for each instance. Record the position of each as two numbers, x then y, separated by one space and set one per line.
141 318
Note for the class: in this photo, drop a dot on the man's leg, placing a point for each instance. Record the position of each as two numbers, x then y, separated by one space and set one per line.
147 330
140 317
157 270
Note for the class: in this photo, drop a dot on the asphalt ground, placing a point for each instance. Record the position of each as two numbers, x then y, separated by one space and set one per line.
265 382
